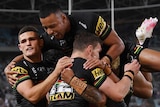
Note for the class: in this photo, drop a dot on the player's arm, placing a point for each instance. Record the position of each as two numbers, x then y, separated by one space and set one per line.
33 92
116 45
110 39
89 93
9 74
117 91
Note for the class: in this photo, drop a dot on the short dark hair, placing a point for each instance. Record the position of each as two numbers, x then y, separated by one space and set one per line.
84 38
47 9
28 28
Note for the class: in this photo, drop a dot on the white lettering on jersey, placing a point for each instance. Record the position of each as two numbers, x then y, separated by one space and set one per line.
83 25
61 91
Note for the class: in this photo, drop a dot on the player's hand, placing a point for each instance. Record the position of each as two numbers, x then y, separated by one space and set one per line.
63 63
67 74
10 74
134 66
95 62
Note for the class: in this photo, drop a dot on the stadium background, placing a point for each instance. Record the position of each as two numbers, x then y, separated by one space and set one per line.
128 15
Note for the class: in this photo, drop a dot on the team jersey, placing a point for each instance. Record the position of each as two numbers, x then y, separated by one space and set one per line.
37 72
63 95
94 77
79 21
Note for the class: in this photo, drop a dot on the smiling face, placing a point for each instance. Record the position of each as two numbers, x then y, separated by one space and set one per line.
56 24
30 44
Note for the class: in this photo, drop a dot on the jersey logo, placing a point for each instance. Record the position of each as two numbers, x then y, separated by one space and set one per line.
61 91
62 42
100 27
97 73
20 70
62 96
83 25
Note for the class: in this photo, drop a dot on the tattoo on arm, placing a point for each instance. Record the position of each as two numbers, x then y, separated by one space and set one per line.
88 92
93 95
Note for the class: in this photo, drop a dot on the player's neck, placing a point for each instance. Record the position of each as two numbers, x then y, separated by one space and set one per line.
34 59
79 54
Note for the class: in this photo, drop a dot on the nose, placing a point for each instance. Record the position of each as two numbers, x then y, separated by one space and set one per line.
28 42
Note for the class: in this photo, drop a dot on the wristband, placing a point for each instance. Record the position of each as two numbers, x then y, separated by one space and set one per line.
129 74
110 58
78 85
130 71
129 77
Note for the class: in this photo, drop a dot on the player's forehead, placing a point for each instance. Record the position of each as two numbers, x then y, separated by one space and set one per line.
28 34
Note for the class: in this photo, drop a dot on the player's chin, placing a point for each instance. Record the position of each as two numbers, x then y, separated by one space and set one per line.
30 53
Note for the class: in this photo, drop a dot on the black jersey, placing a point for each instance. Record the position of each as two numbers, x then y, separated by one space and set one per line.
37 72
94 77
63 95
79 21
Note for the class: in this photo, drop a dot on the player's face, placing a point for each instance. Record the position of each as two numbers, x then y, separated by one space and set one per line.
96 51
29 44
54 25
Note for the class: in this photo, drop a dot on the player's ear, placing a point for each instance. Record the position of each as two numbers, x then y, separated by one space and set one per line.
19 46
89 49
64 17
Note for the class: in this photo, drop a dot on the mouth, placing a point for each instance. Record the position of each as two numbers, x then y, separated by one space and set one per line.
28 49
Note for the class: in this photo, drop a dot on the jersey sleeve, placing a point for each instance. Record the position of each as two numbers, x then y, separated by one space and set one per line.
102 29
97 77
93 23
22 74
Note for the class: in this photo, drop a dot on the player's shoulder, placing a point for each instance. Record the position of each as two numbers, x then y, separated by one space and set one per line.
22 64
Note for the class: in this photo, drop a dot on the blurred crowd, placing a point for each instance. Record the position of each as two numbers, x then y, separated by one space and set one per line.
7 98
8 37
